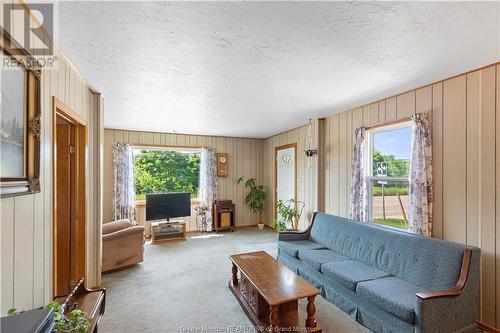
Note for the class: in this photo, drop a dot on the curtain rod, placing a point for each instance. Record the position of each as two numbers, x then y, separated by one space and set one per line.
388 123
153 145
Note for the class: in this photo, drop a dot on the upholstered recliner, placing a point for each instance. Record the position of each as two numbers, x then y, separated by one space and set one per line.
122 245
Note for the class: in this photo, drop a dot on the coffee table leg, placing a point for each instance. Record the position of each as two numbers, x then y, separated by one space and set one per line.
274 319
235 275
311 313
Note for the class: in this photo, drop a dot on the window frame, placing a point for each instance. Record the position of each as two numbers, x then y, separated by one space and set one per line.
369 177
168 148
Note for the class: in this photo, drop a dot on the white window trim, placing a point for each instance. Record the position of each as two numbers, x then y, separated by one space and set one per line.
187 150
369 177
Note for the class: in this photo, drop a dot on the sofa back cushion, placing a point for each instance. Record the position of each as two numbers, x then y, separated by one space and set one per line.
427 262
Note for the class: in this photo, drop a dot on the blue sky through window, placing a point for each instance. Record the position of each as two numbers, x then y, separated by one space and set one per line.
395 142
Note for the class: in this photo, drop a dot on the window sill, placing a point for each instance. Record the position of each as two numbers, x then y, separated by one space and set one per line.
381 225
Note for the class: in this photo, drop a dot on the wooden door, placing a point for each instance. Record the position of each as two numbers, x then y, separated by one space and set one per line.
64 144
70 199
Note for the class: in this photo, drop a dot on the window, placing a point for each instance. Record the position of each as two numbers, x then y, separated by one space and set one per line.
162 170
388 171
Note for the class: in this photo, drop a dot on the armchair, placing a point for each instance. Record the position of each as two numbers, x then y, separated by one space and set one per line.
122 245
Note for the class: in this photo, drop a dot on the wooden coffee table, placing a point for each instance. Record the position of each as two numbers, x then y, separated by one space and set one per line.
269 292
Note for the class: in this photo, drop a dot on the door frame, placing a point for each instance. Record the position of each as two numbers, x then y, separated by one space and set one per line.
290 145
80 202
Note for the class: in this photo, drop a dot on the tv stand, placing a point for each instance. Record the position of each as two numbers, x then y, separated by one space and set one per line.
167 231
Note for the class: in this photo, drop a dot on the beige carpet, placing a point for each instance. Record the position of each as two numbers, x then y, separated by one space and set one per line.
182 287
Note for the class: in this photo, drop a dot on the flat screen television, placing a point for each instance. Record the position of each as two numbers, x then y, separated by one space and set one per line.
168 205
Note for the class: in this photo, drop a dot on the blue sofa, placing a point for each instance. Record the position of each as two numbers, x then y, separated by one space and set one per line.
387 280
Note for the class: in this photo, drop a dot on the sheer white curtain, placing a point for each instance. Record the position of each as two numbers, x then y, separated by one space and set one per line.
420 181
208 182
359 195
123 190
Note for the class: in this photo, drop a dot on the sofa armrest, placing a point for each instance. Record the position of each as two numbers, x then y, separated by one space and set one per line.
454 309
462 280
111 227
297 235
293 235
123 233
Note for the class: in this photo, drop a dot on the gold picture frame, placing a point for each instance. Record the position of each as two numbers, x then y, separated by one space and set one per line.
26 180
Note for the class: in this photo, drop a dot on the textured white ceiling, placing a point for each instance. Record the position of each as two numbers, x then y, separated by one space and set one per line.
254 69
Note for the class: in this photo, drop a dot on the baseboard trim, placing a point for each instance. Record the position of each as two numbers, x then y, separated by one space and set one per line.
246 226
487 328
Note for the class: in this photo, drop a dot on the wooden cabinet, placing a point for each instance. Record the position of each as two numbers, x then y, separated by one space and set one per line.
223 211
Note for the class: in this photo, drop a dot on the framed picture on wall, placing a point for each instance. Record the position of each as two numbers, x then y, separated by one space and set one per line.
19 122
222 168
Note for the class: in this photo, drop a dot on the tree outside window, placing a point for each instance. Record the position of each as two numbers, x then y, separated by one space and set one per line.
166 170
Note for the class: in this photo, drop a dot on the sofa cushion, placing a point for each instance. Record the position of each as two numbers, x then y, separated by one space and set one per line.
316 258
293 247
392 294
349 273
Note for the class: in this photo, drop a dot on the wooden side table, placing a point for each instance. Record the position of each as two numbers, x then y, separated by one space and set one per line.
167 231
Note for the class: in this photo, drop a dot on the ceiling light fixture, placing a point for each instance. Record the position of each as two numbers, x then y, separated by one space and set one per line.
309 150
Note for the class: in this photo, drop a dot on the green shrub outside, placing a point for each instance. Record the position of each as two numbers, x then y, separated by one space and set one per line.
390 191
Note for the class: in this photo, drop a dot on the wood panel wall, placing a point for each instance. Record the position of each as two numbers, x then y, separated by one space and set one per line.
245 159
466 129
465 117
306 172
26 221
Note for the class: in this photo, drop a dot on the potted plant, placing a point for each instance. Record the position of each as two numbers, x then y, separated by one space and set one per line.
289 213
256 198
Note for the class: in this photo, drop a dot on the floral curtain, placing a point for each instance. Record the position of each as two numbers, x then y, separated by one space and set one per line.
420 182
208 182
123 190
359 195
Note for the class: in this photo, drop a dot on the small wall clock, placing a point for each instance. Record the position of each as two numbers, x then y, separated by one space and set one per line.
222 168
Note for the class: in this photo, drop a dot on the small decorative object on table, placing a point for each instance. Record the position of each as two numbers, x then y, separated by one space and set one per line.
75 322
201 214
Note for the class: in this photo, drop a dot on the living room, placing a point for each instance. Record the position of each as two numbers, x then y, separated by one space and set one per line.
250 166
